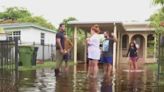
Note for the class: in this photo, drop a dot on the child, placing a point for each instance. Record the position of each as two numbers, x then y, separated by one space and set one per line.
67 48
132 52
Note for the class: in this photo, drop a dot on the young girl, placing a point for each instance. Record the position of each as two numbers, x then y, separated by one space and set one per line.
132 53
93 51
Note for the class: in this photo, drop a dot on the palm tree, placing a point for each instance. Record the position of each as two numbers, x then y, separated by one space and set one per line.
69 29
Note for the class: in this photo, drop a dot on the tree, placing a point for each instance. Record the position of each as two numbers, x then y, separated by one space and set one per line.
69 29
157 19
160 2
15 14
37 20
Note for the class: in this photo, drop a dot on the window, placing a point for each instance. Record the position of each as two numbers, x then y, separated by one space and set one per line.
42 38
125 41
12 35
42 35
150 45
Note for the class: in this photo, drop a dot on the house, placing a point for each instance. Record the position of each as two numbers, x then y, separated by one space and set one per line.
32 34
125 32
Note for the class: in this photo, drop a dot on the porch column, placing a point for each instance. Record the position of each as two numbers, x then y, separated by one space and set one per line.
75 45
74 78
118 48
114 50
85 49
145 37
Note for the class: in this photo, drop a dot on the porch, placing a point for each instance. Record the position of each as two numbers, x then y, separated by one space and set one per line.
141 32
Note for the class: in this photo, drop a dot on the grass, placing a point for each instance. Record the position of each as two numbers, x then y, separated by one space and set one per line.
46 64
153 66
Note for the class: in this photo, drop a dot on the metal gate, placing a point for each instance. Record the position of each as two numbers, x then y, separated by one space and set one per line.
160 56
8 65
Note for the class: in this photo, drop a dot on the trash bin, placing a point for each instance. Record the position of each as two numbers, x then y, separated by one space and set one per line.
26 55
34 56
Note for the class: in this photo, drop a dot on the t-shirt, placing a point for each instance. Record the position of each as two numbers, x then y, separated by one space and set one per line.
105 46
132 51
60 35
107 49
93 47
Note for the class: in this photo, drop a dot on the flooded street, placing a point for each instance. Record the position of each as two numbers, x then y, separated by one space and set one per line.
74 80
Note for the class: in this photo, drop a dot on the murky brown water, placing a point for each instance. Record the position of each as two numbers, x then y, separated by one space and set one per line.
75 80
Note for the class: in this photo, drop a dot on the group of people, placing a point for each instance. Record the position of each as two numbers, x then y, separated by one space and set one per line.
63 48
100 52
97 51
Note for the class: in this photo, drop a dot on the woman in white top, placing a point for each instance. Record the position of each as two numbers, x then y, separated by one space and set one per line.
93 51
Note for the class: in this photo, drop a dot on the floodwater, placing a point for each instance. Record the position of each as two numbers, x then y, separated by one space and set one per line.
74 79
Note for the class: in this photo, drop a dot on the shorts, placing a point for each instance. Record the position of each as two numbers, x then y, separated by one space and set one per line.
134 59
92 59
107 60
66 57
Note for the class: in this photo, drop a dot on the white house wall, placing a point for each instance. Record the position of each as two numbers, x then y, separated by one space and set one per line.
33 35
30 35
48 51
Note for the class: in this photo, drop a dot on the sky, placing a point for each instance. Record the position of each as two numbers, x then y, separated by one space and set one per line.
86 10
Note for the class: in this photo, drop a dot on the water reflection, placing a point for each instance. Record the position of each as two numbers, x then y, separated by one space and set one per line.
106 85
7 81
93 86
132 82
64 82
73 79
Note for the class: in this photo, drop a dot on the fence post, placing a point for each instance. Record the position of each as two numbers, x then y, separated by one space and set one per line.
43 52
16 56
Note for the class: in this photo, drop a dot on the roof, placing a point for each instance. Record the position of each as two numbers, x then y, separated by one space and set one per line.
104 25
23 25
92 22
109 25
138 26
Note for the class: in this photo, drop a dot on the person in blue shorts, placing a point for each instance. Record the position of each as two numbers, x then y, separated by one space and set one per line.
107 53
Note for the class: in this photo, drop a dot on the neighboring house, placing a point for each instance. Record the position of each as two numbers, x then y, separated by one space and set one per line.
141 32
31 34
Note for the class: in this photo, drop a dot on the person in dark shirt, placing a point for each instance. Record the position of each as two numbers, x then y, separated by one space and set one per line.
59 48
132 53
